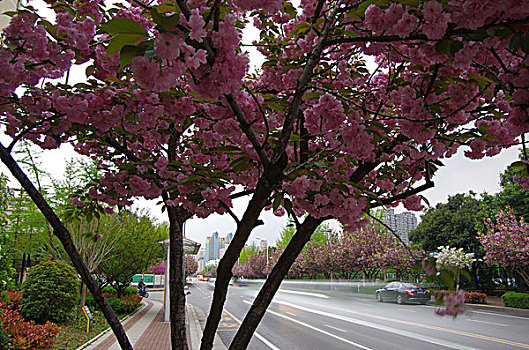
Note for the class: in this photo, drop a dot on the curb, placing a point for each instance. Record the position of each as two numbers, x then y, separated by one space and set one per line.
195 319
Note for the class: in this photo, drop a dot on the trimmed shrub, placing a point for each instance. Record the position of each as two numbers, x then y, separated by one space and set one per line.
124 305
517 300
470 297
130 290
130 303
50 292
23 335
110 290
115 304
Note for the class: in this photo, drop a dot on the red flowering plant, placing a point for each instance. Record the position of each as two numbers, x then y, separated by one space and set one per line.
22 334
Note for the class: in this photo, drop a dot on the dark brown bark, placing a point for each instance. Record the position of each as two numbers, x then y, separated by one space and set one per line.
270 287
64 237
177 217
245 227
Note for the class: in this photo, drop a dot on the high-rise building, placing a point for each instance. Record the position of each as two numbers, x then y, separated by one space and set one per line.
208 250
402 224
216 246
263 245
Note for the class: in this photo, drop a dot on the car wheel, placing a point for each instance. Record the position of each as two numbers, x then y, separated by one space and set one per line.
379 297
400 299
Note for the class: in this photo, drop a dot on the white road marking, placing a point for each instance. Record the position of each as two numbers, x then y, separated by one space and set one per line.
318 330
379 327
495 314
259 336
407 310
338 329
317 295
291 313
492 323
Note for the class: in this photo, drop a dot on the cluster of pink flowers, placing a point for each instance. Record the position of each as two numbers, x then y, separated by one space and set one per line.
359 137
453 305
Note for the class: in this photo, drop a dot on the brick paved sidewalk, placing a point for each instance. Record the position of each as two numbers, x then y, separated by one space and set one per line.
147 331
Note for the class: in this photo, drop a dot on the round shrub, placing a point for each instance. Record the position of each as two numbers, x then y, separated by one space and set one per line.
110 290
115 304
50 292
130 290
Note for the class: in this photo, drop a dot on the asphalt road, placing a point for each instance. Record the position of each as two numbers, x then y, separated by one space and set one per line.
322 320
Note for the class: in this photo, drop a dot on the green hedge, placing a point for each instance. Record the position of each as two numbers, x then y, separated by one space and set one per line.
109 289
130 290
517 300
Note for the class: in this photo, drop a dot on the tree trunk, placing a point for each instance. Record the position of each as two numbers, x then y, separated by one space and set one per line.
65 238
270 287
244 228
83 294
177 217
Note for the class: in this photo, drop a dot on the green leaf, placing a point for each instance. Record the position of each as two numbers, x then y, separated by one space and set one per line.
50 28
288 206
518 165
524 43
448 47
123 26
121 40
447 278
127 53
312 95
361 9
274 105
167 8
290 9
277 202
89 70
240 164
166 23
413 3
190 178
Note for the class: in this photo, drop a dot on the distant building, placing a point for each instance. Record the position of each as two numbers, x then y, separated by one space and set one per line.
263 245
216 246
402 224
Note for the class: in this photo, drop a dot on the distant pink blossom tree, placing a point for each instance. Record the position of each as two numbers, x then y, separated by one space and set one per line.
158 268
506 243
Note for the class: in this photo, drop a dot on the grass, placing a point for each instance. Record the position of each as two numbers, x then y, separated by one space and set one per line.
73 333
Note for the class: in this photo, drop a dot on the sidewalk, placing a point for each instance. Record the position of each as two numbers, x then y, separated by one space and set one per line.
146 330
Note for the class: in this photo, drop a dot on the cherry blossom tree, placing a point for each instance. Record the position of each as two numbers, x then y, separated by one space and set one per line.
158 268
506 243
191 265
172 112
